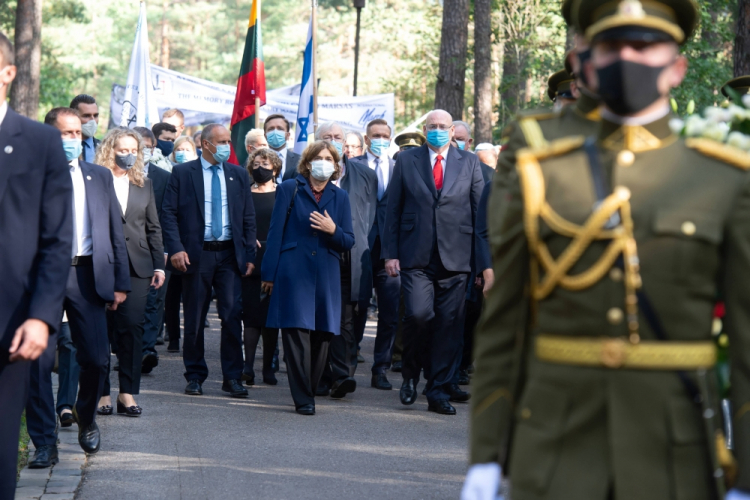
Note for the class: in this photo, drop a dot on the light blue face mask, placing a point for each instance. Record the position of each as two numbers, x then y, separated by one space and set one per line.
184 156
339 146
378 147
222 152
72 148
461 144
276 139
438 138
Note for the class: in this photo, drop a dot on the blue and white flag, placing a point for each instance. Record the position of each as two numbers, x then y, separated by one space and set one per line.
139 103
305 111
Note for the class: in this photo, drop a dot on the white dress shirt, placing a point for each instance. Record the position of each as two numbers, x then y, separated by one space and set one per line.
282 154
82 244
3 111
122 190
384 167
433 158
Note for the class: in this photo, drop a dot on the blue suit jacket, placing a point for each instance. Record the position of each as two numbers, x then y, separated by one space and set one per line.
36 225
111 268
418 215
379 225
183 213
303 264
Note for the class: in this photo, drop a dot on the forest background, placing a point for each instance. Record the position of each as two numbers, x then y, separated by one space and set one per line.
492 59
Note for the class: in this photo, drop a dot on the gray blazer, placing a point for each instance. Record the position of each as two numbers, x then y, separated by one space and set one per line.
379 226
142 230
292 160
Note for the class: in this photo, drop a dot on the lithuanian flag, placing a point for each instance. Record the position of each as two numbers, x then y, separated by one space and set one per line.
251 84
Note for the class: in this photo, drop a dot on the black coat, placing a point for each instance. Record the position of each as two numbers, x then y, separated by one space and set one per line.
159 180
290 169
379 225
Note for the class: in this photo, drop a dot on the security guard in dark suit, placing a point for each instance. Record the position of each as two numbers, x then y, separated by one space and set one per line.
594 359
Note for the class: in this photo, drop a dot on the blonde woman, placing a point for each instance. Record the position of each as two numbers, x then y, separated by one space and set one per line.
184 151
121 152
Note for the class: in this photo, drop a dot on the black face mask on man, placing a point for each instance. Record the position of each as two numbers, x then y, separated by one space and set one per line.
628 87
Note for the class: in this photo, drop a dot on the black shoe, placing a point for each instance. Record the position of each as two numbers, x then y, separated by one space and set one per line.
442 407
194 388
160 340
463 377
360 358
128 411
396 366
89 438
174 346
66 419
322 390
117 366
44 456
456 393
306 410
343 387
408 392
150 361
234 388
248 378
269 378
103 410
380 381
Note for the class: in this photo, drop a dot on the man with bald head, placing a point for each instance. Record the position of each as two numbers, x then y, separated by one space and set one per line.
430 216
209 233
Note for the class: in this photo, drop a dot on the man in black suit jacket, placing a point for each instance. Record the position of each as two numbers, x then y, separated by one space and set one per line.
153 326
88 111
276 128
432 205
387 287
98 275
209 232
35 237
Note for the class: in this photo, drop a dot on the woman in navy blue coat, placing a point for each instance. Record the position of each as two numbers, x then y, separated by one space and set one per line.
311 226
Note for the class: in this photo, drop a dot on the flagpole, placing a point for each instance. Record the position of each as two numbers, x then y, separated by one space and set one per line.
315 64
257 98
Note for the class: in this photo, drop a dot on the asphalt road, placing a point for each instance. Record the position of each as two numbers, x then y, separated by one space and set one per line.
215 447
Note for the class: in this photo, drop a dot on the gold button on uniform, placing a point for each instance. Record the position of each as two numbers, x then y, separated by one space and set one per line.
625 158
525 414
615 316
688 228
615 274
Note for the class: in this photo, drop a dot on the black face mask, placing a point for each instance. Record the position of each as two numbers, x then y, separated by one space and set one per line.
583 57
627 87
262 175
166 147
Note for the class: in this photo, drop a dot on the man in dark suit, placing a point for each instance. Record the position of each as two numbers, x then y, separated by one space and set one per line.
432 204
88 111
98 274
388 288
35 237
209 230
153 328
361 184
276 128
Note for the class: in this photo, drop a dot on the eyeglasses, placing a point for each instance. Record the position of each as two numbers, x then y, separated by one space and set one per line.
436 126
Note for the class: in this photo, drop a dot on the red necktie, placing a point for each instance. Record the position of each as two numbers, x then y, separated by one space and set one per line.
437 172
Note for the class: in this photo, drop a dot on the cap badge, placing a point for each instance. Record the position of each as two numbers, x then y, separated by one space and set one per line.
632 9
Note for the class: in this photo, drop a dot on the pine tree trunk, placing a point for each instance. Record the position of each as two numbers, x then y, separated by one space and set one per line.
482 71
742 40
24 94
164 59
449 91
513 84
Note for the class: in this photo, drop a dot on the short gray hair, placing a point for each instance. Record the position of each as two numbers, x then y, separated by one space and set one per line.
326 127
464 125
253 136
208 131
358 136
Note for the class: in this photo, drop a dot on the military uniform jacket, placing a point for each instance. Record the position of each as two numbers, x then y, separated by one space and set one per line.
588 432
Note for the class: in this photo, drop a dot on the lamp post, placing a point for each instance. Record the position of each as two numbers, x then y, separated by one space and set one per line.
359 5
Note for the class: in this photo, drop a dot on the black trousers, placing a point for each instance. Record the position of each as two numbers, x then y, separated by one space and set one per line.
14 387
434 299
306 352
67 370
41 419
217 270
389 297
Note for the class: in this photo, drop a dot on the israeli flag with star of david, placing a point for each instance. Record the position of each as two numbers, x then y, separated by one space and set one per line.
306 106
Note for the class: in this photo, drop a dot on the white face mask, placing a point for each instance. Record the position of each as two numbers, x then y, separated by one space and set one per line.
147 153
322 170
89 128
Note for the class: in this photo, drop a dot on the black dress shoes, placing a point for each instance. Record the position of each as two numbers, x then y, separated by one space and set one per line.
128 411
67 419
408 392
463 377
322 390
194 388
88 437
234 388
173 346
270 378
457 394
150 361
343 387
104 410
44 457
380 381
442 407
396 366
306 410
248 378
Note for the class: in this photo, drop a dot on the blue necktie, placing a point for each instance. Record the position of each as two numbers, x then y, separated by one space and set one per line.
217 226
381 181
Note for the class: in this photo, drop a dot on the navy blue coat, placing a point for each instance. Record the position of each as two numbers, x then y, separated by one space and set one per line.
303 264
36 225
183 213
110 256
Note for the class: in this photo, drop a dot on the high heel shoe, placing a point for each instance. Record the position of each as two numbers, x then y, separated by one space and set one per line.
129 411
104 410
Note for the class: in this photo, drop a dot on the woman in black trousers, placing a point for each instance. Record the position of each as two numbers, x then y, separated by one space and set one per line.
122 152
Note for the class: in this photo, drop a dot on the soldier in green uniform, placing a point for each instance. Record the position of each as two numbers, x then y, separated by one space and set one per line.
559 89
594 360
741 85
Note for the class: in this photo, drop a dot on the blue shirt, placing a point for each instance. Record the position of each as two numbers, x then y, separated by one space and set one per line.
226 232
89 152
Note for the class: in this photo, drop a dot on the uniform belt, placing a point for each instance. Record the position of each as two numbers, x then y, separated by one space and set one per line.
82 260
619 353
217 246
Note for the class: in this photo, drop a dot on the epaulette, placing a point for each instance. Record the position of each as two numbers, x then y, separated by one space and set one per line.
723 152
538 114
554 148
